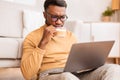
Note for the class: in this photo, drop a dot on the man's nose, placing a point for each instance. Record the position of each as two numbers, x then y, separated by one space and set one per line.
59 21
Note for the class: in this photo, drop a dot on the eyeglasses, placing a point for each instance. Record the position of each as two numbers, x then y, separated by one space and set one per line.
54 18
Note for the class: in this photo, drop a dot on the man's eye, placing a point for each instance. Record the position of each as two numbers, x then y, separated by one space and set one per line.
54 16
62 17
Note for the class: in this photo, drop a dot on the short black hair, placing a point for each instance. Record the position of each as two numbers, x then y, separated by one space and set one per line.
61 3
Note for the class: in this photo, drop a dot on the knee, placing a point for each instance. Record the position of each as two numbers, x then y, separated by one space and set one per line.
111 71
111 67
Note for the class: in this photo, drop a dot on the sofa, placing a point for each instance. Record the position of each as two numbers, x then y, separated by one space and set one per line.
15 24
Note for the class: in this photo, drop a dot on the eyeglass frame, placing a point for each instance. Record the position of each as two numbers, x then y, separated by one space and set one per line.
57 17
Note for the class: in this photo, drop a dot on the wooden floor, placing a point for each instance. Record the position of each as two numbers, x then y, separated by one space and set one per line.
11 74
115 60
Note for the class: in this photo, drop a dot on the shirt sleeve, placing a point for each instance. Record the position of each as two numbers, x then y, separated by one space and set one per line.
31 58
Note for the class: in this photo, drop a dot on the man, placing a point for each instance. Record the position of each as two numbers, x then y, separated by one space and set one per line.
45 54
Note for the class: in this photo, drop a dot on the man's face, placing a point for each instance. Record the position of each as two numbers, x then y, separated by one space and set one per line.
55 16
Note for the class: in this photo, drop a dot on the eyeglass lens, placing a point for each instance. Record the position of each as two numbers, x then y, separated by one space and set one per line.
55 18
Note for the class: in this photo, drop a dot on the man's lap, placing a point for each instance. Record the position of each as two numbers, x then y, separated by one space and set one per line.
105 72
61 76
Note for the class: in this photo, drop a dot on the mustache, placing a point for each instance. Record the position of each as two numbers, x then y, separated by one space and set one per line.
58 25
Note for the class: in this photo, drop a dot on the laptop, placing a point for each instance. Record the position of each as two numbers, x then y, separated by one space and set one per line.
87 56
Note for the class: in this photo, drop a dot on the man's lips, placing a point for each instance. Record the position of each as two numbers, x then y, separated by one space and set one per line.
57 26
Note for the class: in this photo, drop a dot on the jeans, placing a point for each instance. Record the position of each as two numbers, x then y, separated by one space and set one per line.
105 72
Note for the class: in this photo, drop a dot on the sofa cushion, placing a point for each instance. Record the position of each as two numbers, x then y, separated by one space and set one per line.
32 20
8 48
11 22
80 29
20 47
9 63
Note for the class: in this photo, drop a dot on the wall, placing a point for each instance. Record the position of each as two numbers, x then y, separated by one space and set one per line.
18 6
85 10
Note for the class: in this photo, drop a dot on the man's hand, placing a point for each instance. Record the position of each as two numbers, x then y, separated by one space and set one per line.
48 33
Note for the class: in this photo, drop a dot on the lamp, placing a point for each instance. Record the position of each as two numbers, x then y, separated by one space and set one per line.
115 4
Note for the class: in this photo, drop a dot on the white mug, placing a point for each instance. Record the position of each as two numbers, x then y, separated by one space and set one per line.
61 32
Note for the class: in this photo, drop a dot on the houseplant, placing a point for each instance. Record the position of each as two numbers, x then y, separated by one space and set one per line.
106 15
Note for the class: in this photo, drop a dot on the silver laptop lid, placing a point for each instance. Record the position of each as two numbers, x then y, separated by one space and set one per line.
87 56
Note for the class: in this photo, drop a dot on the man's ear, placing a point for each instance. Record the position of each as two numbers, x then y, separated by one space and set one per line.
45 15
